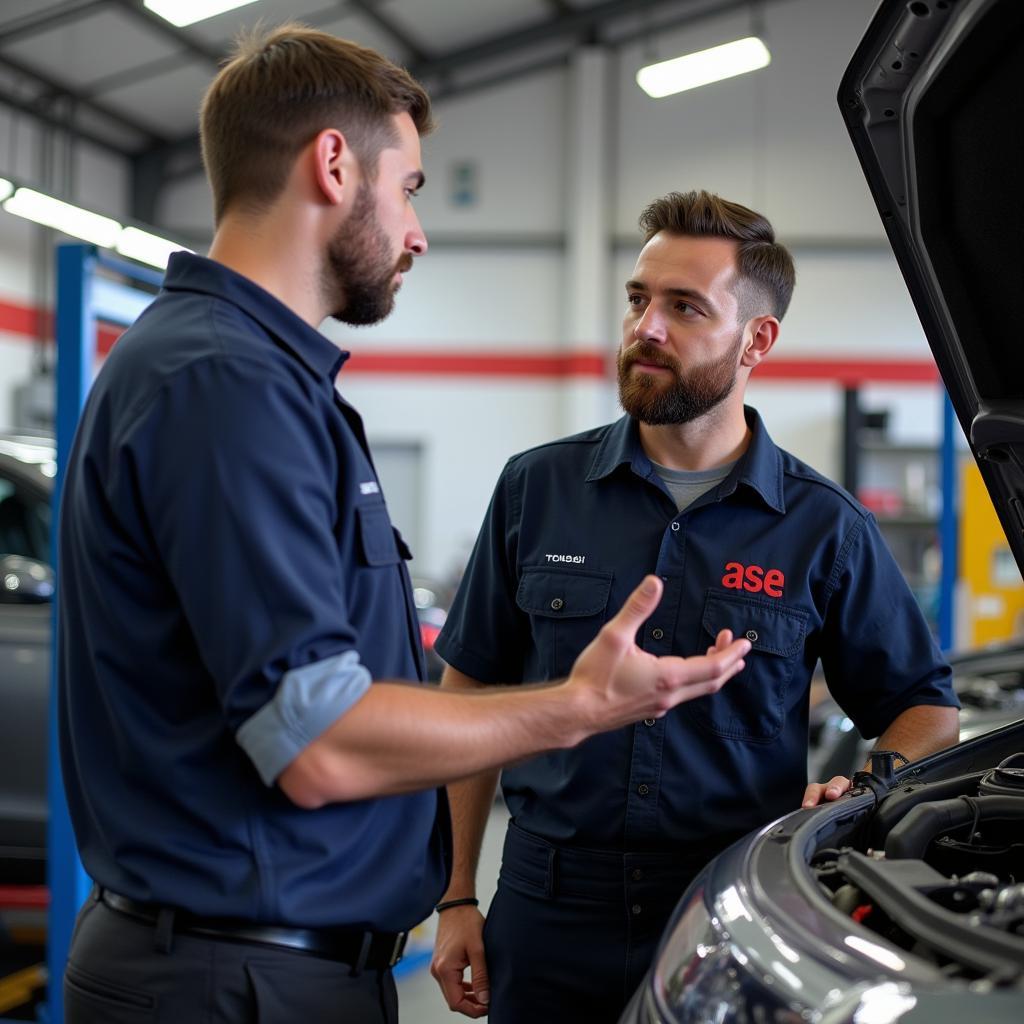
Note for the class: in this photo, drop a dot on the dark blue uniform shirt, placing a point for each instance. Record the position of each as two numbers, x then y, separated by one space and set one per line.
775 553
230 583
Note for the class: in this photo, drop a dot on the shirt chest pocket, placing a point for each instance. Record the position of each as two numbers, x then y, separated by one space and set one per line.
566 610
379 542
752 705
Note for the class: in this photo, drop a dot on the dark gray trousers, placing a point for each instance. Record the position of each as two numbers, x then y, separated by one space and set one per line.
119 973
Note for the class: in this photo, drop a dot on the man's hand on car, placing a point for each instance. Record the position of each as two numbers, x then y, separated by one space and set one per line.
824 792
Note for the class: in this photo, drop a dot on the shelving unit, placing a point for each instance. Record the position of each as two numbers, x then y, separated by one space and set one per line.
902 485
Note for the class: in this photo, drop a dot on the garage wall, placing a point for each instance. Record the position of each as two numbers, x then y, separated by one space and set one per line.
498 275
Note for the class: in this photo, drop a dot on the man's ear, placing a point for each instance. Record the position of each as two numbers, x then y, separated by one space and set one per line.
333 165
758 338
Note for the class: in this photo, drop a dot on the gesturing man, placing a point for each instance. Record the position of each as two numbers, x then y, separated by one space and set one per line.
249 781
688 486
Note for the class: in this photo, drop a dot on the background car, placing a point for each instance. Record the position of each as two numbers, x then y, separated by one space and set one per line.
989 682
27 469
903 900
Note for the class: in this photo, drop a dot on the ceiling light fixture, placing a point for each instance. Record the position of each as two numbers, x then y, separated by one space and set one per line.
145 247
72 220
187 12
133 242
703 67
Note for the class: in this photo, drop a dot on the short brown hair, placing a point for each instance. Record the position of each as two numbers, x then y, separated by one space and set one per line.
765 266
278 90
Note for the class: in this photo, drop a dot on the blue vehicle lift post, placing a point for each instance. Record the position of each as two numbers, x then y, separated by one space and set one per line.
82 298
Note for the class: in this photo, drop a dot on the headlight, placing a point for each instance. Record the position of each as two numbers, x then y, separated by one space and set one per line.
691 940
696 977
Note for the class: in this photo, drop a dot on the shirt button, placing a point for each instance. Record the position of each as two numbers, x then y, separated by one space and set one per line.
657 633
636 909
636 874
649 722
557 604
675 527
643 789
751 635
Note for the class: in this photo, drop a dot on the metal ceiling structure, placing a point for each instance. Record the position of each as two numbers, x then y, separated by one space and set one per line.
113 73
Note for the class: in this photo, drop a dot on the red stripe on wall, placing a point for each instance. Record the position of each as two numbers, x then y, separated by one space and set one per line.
482 364
850 372
28 322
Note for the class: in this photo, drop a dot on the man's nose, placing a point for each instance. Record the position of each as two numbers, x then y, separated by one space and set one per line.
650 327
415 238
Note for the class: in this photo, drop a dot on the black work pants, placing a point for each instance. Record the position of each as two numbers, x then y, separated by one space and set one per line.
570 933
120 972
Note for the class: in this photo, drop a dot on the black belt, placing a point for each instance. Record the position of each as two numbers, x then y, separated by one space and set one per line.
373 950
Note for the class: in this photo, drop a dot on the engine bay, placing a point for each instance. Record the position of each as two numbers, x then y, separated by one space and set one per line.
938 870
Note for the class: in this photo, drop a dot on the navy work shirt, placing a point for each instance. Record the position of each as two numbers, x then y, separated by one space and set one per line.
230 583
775 553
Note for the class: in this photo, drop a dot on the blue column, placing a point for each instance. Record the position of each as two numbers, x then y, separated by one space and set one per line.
76 348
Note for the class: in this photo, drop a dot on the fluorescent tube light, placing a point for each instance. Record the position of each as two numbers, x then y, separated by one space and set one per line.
6 188
703 67
188 12
72 220
147 248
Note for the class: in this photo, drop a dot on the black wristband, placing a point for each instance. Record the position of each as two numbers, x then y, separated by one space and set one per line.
466 901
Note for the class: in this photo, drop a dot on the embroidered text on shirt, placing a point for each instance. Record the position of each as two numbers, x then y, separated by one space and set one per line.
753 578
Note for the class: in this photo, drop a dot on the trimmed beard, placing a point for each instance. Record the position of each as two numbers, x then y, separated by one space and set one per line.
686 398
359 273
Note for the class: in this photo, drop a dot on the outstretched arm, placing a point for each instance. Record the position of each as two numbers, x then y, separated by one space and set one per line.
398 738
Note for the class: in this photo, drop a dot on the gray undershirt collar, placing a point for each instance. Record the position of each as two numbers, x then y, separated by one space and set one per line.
687 486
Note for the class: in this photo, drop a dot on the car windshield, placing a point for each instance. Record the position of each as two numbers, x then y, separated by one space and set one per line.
24 523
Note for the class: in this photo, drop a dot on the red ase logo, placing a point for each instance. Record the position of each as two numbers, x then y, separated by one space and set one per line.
753 578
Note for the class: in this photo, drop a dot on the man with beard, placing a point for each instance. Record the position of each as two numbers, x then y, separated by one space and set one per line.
604 838
262 823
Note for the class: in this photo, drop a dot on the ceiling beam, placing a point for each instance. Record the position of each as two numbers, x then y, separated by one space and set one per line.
581 24
577 22
33 24
189 43
37 110
388 25
59 89
131 76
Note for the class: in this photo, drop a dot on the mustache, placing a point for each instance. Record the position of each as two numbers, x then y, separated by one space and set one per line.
646 352
404 264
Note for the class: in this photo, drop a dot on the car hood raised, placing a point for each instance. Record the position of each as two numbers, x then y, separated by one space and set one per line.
933 100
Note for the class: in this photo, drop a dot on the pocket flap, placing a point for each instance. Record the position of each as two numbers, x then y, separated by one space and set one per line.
403 549
564 594
770 628
376 535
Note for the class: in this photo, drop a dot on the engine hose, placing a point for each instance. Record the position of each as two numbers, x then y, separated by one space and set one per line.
909 838
892 810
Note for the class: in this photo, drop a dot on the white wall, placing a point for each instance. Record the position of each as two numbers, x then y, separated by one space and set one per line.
496 278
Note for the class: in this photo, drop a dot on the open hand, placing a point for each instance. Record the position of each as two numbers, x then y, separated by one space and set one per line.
619 683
